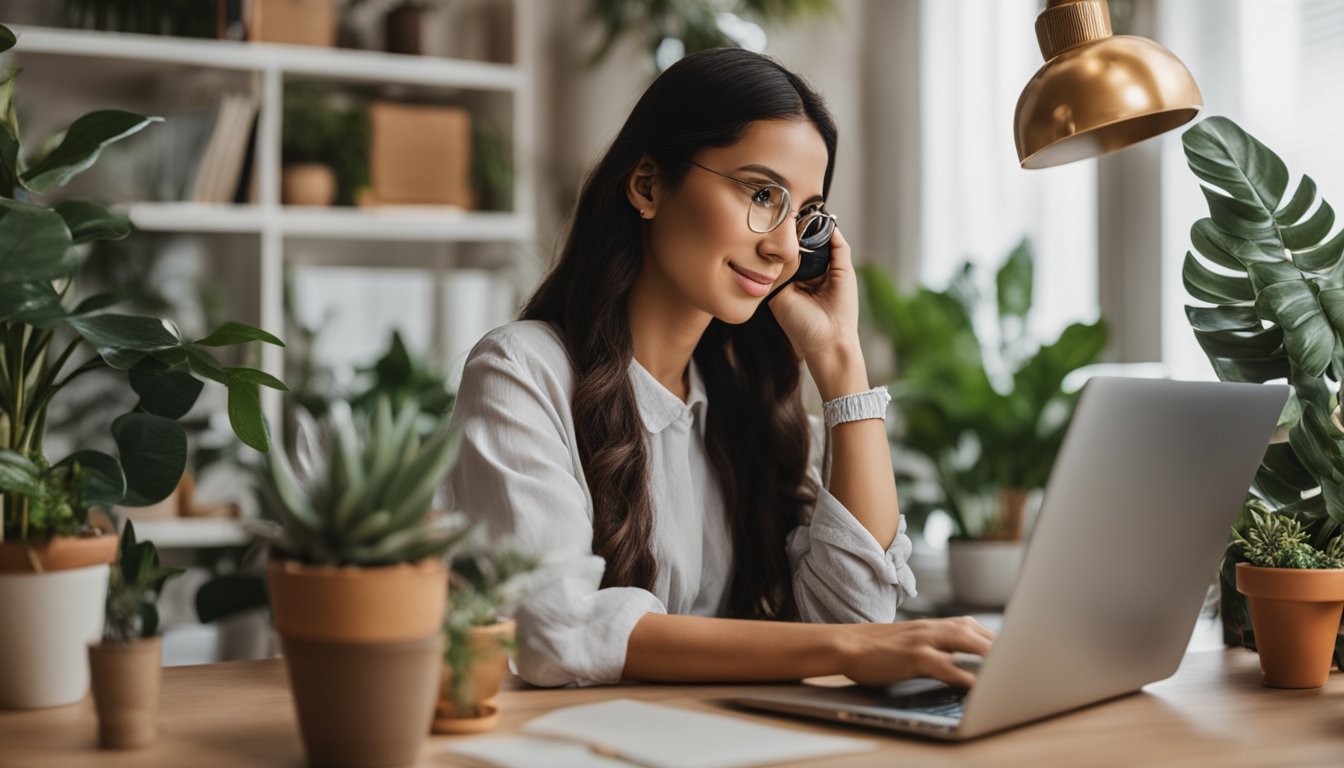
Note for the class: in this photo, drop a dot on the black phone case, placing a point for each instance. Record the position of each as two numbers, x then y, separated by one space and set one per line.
811 265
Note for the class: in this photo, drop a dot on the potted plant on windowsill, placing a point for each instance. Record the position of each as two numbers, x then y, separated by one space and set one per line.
126 666
1296 596
479 637
358 584
1270 277
54 565
981 442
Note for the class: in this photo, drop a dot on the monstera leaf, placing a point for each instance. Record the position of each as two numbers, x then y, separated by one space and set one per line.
1275 279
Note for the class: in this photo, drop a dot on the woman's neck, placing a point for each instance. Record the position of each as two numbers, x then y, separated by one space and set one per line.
664 329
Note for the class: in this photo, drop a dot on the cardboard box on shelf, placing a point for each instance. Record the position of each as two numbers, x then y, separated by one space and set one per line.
419 155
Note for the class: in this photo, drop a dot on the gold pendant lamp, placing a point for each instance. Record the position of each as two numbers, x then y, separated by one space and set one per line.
1098 92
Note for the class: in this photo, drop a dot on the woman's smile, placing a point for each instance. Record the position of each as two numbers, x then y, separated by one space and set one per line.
753 283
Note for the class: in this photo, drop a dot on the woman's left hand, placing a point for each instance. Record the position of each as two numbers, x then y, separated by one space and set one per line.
823 315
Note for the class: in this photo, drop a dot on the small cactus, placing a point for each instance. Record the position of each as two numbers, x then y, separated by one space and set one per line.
1277 541
367 500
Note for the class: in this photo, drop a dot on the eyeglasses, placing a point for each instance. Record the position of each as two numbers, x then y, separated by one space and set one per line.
771 205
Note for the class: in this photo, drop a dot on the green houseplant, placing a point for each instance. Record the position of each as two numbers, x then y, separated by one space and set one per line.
1296 597
1271 282
479 636
44 504
985 431
358 583
126 665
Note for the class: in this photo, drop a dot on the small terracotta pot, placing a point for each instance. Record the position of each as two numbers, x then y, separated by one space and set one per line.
126 691
307 184
1295 614
490 664
361 646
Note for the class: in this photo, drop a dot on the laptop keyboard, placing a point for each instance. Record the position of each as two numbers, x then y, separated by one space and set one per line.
945 702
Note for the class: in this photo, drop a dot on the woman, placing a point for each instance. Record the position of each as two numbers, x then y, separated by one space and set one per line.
642 429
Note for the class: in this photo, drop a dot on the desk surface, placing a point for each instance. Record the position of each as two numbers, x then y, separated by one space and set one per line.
1212 712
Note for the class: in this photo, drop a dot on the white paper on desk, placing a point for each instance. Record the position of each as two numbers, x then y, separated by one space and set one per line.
532 752
668 737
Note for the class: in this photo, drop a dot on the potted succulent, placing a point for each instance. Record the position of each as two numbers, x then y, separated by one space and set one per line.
1296 596
981 444
54 565
1266 271
358 583
479 637
126 665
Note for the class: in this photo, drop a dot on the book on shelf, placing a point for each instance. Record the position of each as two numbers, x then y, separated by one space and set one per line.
220 169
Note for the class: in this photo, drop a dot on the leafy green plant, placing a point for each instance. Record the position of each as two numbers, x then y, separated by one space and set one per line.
698 24
42 330
1274 279
486 585
133 590
978 433
366 502
1275 541
319 127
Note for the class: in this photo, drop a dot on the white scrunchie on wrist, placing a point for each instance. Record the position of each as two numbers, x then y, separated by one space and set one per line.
860 405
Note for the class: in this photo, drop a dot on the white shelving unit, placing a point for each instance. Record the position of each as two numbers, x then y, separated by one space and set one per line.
267 67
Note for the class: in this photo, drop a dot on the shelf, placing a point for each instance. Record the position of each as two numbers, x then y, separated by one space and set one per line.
391 223
312 61
190 532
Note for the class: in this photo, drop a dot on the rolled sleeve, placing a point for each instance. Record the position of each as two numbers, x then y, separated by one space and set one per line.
840 573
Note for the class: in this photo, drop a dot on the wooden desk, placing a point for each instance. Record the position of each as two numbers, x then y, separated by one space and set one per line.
1213 712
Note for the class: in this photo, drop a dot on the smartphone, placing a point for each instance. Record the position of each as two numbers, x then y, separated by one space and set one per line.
812 262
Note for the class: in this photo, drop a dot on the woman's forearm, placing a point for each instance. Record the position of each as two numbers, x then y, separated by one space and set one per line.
688 649
861 474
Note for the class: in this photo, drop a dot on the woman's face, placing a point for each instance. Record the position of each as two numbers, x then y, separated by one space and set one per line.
700 248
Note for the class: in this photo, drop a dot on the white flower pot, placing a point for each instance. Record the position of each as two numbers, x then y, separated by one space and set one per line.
983 572
47 621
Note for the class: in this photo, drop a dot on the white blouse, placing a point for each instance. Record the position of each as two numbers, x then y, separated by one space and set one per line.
519 472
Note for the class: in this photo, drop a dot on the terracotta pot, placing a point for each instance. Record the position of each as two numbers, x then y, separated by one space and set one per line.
126 691
490 664
362 646
307 184
1295 614
983 572
49 617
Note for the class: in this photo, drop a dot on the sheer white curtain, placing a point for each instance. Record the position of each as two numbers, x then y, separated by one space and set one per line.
977 203
1277 68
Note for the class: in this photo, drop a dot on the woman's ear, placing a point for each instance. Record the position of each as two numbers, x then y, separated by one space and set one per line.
643 188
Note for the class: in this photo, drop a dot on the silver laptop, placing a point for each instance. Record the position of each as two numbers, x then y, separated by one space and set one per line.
1136 514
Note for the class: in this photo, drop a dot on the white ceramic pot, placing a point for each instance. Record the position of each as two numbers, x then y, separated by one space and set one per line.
983 572
48 621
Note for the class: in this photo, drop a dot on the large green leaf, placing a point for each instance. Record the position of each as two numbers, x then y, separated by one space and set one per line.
9 136
104 481
253 376
147 334
83 143
1222 154
1014 282
153 456
245 415
238 333
19 301
89 221
1214 287
35 244
167 393
18 474
1306 333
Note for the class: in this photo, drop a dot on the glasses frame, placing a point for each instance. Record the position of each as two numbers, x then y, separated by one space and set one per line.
803 220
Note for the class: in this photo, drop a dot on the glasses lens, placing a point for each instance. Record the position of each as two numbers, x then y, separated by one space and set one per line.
769 205
815 229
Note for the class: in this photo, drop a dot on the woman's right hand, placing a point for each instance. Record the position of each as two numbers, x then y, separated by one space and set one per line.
882 654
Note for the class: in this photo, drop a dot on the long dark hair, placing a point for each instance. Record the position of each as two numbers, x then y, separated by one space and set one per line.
757 429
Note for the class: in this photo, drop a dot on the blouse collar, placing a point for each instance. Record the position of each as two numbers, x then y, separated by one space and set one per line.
659 408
